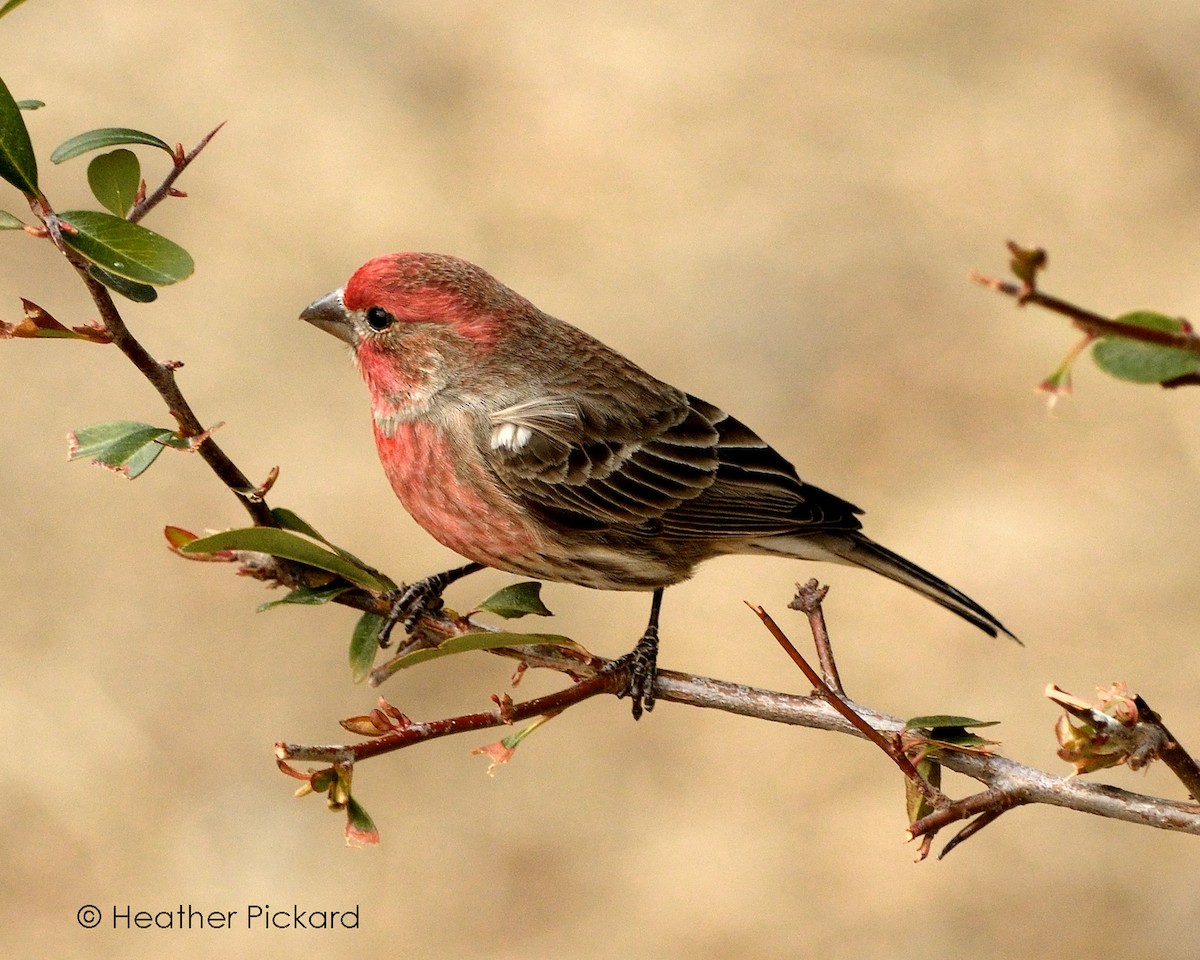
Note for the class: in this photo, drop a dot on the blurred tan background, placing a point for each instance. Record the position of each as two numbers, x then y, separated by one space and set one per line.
773 205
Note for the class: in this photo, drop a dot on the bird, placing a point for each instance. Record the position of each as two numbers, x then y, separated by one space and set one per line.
526 445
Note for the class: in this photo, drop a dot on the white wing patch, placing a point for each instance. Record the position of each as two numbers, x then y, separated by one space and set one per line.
510 436
514 426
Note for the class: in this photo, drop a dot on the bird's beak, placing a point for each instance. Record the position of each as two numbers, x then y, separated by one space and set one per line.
329 313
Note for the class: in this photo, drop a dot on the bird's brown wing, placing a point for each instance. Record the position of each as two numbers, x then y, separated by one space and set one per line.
594 462
686 470
755 491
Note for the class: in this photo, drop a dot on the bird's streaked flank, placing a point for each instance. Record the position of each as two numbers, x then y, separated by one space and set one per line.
524 444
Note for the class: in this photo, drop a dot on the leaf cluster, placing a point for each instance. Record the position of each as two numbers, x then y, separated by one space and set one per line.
122 254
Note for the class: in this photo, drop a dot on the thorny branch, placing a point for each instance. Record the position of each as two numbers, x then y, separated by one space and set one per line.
1091 323
1008 784
162 375
1027 263
167 187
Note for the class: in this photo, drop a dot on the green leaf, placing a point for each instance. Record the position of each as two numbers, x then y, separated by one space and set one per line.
121 445
129 289
307 596
10 6
517 600
944 720
486 640
1140 362
958 737
321 780
30 104
126 249
18 165
1026 263
364 644
916 804
105 137
114 178
9 222
290 520
360 828
289 546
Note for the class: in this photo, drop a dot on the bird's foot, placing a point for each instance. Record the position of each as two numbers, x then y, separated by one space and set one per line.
411 602
641 663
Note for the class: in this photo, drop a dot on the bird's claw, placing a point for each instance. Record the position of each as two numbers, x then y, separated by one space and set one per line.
641 663
409 603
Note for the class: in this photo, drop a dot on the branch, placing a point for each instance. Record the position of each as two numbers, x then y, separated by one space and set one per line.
1091 323
161 376
1014 784
1009 784
166 188
1170 751
1151 330
1018 783
810 598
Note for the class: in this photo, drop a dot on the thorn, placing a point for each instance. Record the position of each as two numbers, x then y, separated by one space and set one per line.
979 278
260 492
172 192
194 442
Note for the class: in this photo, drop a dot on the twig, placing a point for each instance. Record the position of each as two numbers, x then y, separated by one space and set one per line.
1093 323
162 378
413 733
161 375
1171 752
163 190
842 706
970 829
808 599
1010 783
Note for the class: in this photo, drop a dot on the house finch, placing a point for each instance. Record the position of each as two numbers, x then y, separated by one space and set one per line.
524 444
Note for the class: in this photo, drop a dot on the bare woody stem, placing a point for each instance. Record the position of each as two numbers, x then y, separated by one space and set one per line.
162 378
1092 323
842 706
414 733
1010 784
1180 762
160 375
808 599
163 190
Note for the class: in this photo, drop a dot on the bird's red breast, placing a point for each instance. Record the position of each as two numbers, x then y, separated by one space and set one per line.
450 494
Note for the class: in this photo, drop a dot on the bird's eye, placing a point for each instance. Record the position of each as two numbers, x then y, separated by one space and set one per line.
379 319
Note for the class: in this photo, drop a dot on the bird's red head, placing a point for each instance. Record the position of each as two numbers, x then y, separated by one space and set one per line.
417 321
433 288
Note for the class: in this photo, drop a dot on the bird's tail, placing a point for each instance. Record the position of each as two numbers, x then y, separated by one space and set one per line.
861 551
